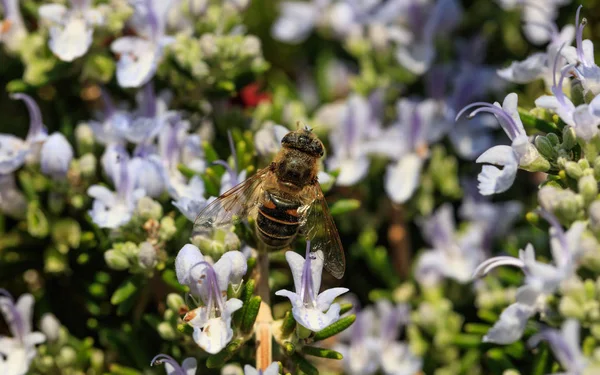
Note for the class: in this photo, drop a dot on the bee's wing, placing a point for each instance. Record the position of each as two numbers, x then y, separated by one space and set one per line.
320 229
233 206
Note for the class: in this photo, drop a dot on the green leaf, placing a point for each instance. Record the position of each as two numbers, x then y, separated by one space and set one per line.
125 291
115 369
304 366
344 206
250 314
323 353
335 328
464 340
219 359
289 324
345 307
170 278
541 361
532 122
247 294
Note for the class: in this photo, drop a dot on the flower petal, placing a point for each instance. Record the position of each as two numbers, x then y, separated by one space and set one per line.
72 40
326 298
509 328
402 178
525 71
52 12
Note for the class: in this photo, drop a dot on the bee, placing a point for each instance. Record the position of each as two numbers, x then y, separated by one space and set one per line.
285 200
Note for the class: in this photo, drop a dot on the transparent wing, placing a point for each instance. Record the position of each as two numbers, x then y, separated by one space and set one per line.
233 206
320 229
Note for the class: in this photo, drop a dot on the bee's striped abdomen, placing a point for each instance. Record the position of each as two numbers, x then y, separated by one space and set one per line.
277 221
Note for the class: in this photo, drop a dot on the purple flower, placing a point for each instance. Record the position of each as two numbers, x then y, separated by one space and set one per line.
17 352
452 255
108 131
72 29
310 308
359 121
139 56
297 19
541 279
493 180
12 28
187 367
14 150
114 209
565 346
56 156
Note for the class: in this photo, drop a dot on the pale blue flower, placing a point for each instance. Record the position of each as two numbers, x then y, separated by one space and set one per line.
360 355
13 150
150 175
56 156
232 176
311 309
108 130
152 115
541 279
426 23
19 350
565 346
452 255
71 31
114 209
297 20
187 367
140 55
493 180
406 142
359 121
273 369
267 139
212 320
12 28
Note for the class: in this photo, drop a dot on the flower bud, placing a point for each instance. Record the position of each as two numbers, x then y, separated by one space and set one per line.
50 326
594 214
68 232
175 302
116 260
565 204
553 138
66 357
208 45
231 369
167 228
84 138
165 331
147 256
55 156
545 147
147 208
97 359
588 188
87 165
251 46
573 170
569 138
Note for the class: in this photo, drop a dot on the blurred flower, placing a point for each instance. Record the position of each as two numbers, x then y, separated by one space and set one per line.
359 121
581 59
13 150
113 209
50 326
12 200
267 139
18 351
232 176
454 256
56 156
310 308
541 279
273 369
12 28
493 180
212 321
565 346
139 56
187 367
72 29
360 355
425 23
297 20
407 143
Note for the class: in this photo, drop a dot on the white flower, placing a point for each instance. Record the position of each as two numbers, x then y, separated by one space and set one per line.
312 310
72 29
452 255
12 28
114 209
267 139
273 369
18 350
56 155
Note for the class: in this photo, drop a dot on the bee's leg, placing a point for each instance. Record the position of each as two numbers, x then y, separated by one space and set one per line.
263 326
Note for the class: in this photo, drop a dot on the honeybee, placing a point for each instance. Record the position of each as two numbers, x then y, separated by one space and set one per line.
285 199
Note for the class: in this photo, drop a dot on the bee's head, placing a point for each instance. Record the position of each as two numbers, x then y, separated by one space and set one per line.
304 140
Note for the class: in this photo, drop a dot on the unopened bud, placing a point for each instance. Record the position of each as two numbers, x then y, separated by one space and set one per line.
583 163
147 208
232 370
553 138
573 170
66 357
545 147
569 138
87 165
50 326
116 260
165 331
588 188
251 46
84 138
175 302
147 256
208 45
594 214
167 228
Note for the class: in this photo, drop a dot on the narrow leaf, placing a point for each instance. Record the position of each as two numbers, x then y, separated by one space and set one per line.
335 328
323 353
